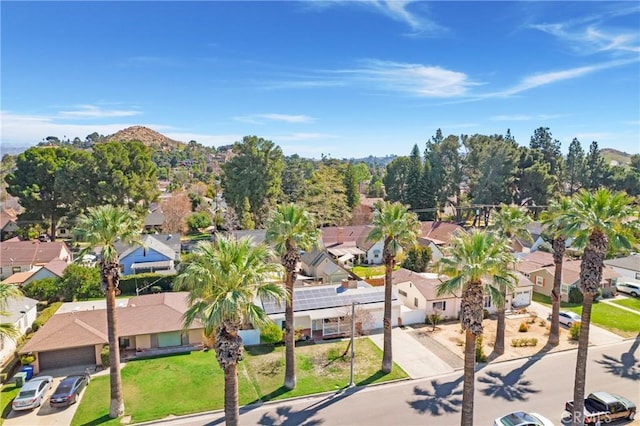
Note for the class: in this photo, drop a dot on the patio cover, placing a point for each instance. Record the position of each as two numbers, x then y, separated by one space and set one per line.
162 264
341 251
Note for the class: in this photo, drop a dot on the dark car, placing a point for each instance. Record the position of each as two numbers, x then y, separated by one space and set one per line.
68 390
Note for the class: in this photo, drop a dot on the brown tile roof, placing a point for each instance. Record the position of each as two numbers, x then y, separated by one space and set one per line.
149 314
19 277
439 232
358 234
6 216
571 272
538 257
425 283
30 252
57 266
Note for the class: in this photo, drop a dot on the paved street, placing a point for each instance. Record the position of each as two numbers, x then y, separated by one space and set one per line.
539 385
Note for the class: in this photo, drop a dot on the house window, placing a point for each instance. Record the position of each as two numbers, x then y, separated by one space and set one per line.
487 302
376 254
402 293
15 269
439 306
564 289
124 342
540 281
415 302
637 275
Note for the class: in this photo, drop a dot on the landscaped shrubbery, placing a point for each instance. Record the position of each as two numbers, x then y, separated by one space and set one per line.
271 334
524 342
128 283
45 315
574 331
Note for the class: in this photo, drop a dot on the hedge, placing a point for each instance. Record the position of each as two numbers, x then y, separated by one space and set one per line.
128 282
45 315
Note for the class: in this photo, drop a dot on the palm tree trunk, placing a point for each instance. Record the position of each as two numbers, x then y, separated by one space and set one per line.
116 407
231 407
387 355
498 347
581 360
289 338
469 378
558 254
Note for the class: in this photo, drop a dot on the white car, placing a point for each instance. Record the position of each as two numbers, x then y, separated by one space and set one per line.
567 318
32 393
520 418
629 288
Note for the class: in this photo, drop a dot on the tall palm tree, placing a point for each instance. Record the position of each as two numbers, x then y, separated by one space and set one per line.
551 221
475 263
102 227
510 222
290 230
398 228
222 279
601 222
7 292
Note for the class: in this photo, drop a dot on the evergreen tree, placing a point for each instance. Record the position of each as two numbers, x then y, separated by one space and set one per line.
575 172
414 182
351 187
596 167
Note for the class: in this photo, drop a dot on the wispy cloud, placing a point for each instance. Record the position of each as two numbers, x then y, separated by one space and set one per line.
416 79
262 118
92 111
526 117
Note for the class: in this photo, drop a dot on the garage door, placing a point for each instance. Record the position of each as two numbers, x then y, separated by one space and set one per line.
67 357
522 298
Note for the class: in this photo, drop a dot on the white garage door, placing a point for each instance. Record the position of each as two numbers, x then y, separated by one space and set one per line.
522 298
67 357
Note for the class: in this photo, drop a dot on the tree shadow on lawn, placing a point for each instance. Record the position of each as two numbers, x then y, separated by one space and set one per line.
627 366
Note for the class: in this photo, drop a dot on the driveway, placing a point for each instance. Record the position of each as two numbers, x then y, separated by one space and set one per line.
412 356
45 415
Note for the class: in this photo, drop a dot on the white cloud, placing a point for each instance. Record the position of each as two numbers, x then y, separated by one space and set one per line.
262 118
92 111
416 79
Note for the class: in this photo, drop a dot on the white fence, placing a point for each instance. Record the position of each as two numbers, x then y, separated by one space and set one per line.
412 316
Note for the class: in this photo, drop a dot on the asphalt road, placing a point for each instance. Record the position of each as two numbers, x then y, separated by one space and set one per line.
539 385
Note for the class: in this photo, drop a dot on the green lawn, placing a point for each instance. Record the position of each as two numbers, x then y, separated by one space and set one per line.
182 384
616 320
631 303
9 391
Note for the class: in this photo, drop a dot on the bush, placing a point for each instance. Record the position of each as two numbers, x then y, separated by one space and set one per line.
27 359
128 282
516 343
45 315
575 295
480 355
271 334
46 289
574 331
542 323
524 327
485 314
104 356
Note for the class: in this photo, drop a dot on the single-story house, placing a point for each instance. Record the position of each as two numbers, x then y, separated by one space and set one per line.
538 266
321 311
8 223
53 269
322 267
341 241
437 235
158 253
146 324
22 312
22 256
628 267
521 245
154 219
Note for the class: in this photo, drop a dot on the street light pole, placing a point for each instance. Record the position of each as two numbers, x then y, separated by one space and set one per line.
353 333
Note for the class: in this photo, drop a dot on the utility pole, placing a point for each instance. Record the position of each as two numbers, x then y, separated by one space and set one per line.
353 333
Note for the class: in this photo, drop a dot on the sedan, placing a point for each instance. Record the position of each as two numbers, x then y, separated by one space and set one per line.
520 418
32 393
568 318
68 390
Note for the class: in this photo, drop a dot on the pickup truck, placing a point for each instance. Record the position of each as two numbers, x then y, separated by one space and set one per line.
604 407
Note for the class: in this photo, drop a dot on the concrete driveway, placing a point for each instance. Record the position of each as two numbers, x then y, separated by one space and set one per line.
45 415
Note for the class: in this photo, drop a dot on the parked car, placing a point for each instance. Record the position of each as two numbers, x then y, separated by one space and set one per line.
68 390
520 418
32 393
629 288
567 318
605 407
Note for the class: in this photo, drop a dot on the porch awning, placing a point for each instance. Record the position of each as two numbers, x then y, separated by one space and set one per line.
161 264
341 251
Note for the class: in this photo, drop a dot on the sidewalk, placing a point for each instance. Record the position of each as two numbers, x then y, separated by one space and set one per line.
412 356
610 302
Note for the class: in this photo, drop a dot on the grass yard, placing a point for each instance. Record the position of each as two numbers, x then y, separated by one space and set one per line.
183 384
616 320
8 392
631 303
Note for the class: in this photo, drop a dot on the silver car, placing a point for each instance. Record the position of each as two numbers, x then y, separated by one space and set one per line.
32 393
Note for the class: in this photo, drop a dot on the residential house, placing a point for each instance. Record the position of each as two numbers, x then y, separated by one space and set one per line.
53 269
322 312
538 266
628 267
523 245
22 312
23 256
437 235
157 253
146 325
352 242
154 220
8 223
319 265
257 236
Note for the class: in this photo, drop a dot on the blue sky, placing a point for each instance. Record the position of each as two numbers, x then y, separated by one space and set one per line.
340 78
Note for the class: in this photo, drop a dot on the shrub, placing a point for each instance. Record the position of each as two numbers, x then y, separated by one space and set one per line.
532 317
104 356
524 327
485 314
271 334
574 331
128 283
46 289
27 359
575 295
516 343
45 315
542 323
434 319
480 355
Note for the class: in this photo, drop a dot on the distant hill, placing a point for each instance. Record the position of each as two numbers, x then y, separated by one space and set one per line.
611 154
145 135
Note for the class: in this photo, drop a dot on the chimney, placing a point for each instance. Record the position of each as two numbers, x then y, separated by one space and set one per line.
339 236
